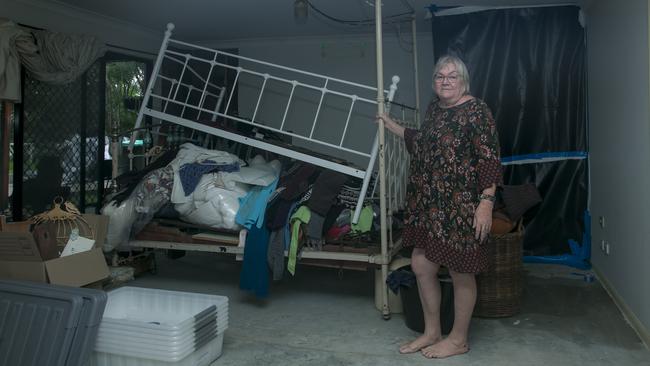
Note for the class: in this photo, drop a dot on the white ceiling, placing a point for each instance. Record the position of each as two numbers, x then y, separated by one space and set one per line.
217 20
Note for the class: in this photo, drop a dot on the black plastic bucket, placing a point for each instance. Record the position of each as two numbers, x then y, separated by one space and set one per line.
412 307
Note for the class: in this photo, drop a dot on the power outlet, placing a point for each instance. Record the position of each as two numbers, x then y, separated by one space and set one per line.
602 245
601 221
607 248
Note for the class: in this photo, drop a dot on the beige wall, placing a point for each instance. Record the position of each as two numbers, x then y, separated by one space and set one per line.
620 148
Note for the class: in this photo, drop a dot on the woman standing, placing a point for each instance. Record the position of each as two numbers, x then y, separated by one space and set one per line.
455 169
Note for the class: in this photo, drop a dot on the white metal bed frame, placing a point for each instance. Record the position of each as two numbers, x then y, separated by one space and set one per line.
393 149
156 105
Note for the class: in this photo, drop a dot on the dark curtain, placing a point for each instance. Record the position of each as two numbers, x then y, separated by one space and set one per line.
528 65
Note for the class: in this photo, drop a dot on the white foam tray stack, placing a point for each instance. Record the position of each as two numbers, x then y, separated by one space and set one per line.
146 327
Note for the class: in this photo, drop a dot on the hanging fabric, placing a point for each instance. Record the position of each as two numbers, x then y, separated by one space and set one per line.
50 57
9 62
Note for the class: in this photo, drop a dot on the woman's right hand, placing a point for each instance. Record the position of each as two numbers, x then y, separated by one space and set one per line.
384 117
390 125
388 122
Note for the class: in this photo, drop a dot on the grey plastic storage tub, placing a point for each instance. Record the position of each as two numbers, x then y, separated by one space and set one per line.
42 324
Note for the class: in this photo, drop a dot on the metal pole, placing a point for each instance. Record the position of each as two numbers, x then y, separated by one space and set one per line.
416 77
6 131
115 151
382 162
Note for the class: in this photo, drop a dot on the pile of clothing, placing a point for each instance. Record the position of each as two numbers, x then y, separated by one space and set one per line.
205 187
308 210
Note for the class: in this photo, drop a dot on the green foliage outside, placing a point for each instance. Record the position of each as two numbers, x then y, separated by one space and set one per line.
125 85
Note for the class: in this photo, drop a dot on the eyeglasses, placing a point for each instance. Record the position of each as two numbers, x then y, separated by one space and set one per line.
451 79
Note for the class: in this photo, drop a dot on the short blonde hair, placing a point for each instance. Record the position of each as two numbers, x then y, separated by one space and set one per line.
461 69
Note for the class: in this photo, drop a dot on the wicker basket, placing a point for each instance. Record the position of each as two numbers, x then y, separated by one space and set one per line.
500 288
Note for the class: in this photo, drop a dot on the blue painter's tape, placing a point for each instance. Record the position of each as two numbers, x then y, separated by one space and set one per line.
547 156
580 256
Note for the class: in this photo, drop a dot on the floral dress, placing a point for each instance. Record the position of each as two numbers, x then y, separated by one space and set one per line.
454 157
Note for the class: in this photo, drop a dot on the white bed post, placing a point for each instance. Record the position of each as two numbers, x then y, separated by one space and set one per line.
147 93
382 160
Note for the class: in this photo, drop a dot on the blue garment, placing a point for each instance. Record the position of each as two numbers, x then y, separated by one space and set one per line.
254 275
191 173
253 206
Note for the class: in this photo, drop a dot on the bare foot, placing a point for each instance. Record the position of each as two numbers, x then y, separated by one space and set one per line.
445 348
418 344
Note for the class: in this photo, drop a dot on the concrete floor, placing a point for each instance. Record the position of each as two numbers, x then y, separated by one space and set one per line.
326 317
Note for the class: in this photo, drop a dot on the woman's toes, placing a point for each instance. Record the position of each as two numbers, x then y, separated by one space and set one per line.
443 349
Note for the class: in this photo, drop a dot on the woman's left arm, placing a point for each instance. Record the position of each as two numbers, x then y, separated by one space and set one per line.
485 143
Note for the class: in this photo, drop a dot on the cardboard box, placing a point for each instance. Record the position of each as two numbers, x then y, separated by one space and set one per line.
19 226
21 260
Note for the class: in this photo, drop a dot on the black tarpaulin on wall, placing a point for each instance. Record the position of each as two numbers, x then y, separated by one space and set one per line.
528 65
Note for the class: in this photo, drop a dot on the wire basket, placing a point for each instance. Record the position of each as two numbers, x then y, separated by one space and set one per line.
500 289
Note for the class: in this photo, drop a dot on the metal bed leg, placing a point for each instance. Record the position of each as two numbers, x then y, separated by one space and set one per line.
385 309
